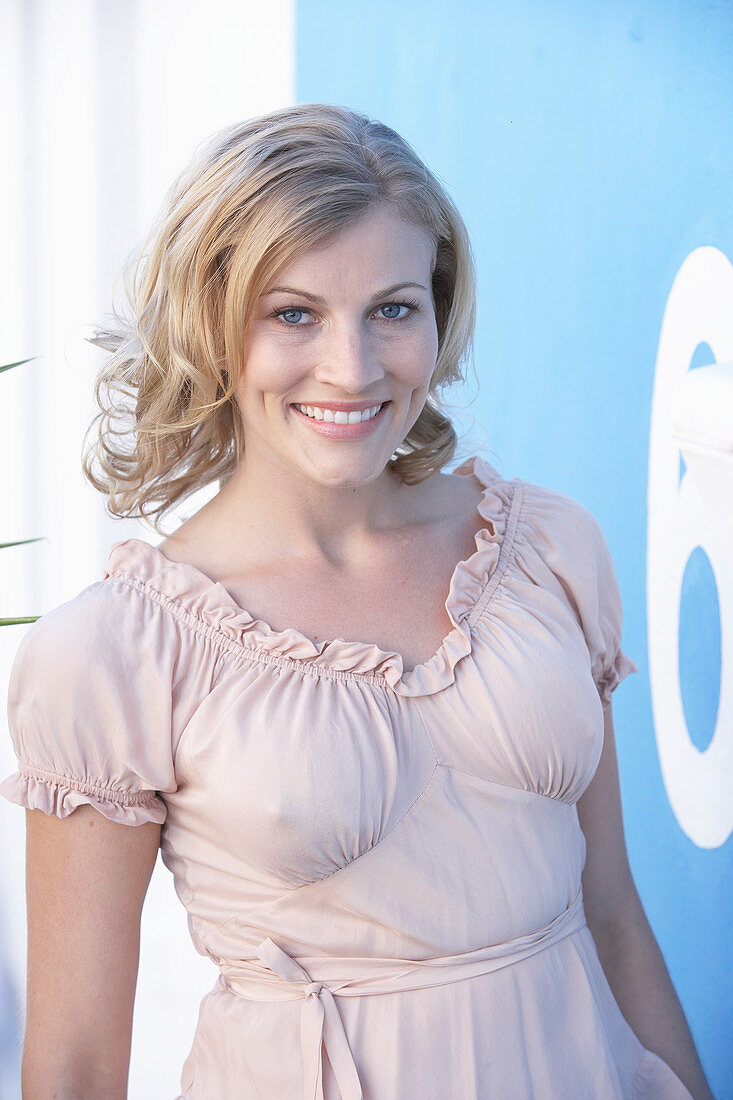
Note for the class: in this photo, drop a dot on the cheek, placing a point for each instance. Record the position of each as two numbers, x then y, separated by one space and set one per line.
271 367
420 363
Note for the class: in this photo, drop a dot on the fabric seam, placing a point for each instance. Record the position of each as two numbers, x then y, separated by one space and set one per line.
86 786
231 647
420 715
382 839
506 554
509 786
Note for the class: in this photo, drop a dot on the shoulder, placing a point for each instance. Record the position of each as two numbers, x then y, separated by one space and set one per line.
558 522
455 495
109 626
563 545
544 514
101 664
93 611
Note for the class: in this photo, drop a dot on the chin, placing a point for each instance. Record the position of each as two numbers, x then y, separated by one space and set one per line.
345 475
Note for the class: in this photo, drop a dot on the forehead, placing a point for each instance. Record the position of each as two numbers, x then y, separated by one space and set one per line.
379 244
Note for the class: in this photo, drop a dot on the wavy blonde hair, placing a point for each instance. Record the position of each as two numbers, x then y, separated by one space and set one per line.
254 197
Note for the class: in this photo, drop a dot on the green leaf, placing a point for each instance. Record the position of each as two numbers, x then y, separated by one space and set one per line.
21 542
9 366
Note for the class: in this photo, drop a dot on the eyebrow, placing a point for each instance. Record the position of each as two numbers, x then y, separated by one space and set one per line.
322 301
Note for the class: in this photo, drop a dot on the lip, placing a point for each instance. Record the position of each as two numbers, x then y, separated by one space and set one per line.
343 431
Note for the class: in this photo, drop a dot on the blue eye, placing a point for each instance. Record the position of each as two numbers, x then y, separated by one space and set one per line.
390 311
291 316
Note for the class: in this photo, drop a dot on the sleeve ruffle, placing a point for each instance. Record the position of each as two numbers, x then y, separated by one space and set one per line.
60 795
608 677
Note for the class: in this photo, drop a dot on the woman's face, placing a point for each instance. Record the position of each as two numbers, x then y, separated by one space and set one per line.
346 329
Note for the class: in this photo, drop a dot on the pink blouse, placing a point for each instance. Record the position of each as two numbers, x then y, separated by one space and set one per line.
385 865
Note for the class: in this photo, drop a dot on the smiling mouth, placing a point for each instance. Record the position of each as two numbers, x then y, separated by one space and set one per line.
339 416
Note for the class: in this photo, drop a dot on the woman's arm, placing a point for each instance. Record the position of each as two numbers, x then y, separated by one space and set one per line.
627 948
86 880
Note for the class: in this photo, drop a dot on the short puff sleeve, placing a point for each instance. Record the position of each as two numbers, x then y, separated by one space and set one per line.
89 708
569 541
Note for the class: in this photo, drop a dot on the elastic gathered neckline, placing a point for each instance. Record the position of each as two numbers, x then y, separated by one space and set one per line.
206 604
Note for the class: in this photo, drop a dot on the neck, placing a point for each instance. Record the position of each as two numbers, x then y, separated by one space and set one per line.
278 507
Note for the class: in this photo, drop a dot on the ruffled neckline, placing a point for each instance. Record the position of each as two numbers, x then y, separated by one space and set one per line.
473 581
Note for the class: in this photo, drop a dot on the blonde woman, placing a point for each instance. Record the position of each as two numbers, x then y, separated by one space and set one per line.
362 704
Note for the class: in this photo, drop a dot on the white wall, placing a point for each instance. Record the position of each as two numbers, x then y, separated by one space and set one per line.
103 101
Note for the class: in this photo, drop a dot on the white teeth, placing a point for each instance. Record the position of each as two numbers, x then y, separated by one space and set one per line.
340 417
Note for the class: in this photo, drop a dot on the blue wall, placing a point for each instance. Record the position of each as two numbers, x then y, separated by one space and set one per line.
589 149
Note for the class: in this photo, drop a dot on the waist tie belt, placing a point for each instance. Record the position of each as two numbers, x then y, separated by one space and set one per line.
317 979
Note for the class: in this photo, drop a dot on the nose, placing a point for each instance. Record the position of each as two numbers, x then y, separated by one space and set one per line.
348 360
